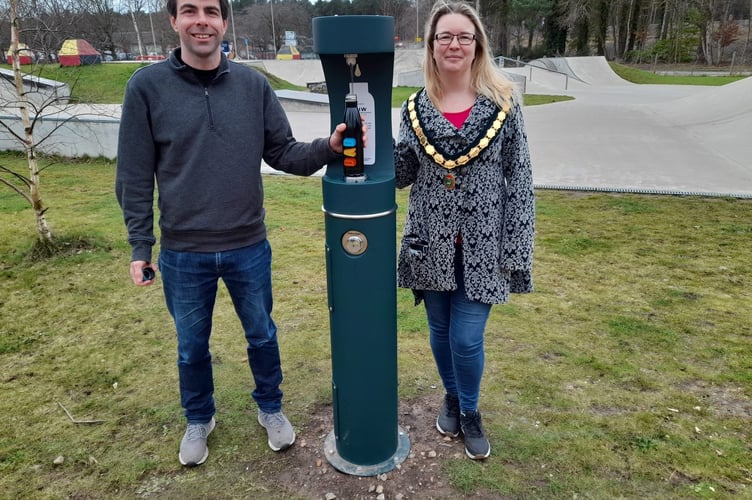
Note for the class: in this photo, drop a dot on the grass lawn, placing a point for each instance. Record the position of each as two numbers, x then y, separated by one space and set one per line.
627 373
636 75
105 83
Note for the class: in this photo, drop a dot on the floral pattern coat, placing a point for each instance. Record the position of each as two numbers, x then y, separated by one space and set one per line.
490 204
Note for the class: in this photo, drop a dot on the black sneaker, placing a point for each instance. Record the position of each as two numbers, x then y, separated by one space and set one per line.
448 421
477 446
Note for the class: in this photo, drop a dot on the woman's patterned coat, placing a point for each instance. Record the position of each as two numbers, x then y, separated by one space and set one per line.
491 205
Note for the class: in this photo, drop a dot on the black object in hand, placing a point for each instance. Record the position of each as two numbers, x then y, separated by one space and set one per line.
352 142
148 274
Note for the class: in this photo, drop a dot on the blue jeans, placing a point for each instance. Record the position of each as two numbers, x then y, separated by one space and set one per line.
457 326
190 286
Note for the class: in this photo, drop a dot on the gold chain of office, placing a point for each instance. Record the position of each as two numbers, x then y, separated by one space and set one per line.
438 157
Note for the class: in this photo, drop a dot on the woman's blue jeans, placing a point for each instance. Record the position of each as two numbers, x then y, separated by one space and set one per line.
190 286
457 327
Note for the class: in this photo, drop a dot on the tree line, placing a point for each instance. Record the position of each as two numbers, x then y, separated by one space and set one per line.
631 30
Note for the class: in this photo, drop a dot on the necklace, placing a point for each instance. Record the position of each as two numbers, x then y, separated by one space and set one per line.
440 157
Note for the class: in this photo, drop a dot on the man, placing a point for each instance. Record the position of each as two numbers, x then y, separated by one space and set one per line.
199 125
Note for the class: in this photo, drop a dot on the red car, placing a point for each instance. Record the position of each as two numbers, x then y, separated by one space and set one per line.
150 57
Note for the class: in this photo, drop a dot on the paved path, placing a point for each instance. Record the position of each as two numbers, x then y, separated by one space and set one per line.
616 136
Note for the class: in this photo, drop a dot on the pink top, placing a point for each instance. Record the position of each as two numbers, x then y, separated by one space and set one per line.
458 119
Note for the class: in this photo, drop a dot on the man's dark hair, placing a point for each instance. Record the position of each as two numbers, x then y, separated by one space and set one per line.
172 8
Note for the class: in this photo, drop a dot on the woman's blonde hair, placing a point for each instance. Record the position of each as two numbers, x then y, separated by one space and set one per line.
484 77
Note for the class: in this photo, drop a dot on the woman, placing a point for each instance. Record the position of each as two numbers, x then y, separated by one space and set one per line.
468 237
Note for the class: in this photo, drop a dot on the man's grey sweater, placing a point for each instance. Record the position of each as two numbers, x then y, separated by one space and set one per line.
204 146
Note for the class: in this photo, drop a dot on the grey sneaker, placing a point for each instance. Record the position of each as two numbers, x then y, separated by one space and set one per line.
278 428
477 446
448 421
193 449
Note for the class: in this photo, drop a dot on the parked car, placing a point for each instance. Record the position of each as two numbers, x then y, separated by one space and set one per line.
150 57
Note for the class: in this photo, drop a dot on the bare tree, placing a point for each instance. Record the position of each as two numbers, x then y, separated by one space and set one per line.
44 113
47 23
32 182
134 6
101 22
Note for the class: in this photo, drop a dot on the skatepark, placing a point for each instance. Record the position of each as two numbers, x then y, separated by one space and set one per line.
614 135
644 138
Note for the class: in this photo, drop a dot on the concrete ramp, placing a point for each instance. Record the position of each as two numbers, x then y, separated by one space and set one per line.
548 76
720 118
559 75
730 103
300 72
646 138
541 80
39 91
594 71
295 100
407 69
555 65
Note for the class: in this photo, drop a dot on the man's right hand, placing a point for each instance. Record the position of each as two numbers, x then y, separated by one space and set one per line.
137 273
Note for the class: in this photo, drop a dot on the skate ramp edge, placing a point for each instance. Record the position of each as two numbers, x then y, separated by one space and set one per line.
592 70
595 70
728 103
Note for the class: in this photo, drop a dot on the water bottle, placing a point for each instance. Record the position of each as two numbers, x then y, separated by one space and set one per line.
353 139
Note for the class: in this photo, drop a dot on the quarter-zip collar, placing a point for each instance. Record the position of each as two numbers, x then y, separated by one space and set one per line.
184 70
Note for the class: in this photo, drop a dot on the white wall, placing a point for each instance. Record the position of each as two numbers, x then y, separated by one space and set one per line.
72 131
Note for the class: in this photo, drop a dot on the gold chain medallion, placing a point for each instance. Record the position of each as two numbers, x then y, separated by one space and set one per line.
438 157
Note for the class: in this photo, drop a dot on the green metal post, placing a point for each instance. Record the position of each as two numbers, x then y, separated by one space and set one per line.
360 251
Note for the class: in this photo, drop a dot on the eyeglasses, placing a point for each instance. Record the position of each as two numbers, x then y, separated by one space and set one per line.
462 38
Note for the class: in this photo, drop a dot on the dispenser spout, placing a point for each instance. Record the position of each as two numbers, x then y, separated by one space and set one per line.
352 62
351 59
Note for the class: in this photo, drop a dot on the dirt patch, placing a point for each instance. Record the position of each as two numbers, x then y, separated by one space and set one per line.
728 401
422 475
